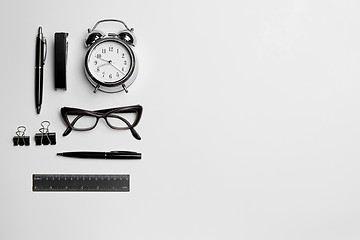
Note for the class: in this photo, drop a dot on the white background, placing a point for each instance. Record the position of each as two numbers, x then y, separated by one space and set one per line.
250 127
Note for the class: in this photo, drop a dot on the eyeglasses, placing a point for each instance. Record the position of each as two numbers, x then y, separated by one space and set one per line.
120 118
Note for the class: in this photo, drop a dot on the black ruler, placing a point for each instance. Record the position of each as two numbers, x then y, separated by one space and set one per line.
81 183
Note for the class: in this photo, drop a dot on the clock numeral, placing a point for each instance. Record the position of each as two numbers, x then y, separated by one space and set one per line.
103 74
125 62
123 55
111 49
110 76
123 69
103 50
117 74
95 62
98 55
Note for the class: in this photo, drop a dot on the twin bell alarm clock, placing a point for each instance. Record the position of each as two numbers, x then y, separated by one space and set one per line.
110 61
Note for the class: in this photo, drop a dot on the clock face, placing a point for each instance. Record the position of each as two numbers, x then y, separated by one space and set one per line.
109 62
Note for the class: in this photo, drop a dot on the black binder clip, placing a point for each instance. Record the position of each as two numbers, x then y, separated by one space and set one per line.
45 137
21 139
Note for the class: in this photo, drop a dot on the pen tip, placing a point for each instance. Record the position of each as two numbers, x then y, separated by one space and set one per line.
38 109
40 30
59 154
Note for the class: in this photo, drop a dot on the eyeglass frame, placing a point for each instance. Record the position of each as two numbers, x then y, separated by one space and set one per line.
103 113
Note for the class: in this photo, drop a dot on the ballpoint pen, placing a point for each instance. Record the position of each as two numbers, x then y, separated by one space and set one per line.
103 155
39 68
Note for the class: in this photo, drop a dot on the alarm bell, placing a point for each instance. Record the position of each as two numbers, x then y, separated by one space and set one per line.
93 36
127 37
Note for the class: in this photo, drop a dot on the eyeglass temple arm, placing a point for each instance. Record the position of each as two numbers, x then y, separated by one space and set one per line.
132 129
69 128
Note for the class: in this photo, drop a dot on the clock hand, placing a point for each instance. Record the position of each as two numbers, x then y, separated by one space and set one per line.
104 59
111 63
103 72
102 65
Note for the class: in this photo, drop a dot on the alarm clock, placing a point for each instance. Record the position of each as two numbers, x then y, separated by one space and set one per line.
110 61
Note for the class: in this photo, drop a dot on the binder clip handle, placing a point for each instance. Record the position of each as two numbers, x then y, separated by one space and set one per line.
45 137
20 139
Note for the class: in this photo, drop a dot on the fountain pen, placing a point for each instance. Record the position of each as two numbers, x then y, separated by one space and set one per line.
103 155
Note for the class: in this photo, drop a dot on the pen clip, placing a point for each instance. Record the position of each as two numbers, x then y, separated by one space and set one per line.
45 43
125 152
